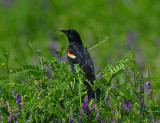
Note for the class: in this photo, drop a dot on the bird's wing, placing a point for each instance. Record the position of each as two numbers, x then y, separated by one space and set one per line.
81 55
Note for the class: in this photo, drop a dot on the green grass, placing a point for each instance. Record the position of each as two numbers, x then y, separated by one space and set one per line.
49 92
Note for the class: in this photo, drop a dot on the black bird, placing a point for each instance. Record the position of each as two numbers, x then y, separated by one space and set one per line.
77 53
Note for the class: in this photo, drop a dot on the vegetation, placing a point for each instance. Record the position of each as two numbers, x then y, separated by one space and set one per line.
50 92
38 85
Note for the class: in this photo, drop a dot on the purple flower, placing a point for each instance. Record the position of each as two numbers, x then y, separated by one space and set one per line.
137 89
63 58
78 118
17 112
18 99
142 102
48 73
97 116
115 111
16 115
158 121
149 91
52 50
141 76
5 104
71 119
80 111
142 85
142 95
147 83
94 106
60 121
46 68
10 117
127 104
106 99
102 121
138 97
85 105
119 120
53 46
113 85
150 96
99 75
112 120
52 121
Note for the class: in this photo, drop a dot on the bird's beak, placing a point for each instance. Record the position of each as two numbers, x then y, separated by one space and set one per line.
64 31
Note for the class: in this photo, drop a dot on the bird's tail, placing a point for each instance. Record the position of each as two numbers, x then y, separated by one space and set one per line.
91 93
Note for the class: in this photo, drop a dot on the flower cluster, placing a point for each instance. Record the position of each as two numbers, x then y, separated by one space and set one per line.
78 118
140 88
106 99
10 117
149 91
85 105
127 105
18 100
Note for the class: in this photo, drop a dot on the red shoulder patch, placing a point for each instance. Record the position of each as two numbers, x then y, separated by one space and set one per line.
71 55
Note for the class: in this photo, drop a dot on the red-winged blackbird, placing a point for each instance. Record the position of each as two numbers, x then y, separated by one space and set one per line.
77 54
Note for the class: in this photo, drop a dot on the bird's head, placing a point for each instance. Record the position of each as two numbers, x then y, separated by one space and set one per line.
72 35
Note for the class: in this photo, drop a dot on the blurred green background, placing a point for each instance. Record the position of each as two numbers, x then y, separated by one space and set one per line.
134 25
